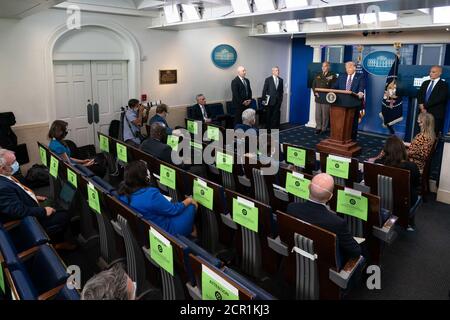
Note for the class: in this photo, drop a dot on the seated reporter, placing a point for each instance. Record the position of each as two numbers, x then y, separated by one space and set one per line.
316 212
161 114
111 284
18 201
248 122
156 145
394 154
420 147
136 191
57 133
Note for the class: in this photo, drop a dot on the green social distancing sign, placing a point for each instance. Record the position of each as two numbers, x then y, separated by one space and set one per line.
2 280
338 166
245 213
121 152
353 203
72 178
213 133
161 250
93 199
296 156
215 287
297 185
54 164
192 126
167 176
173 141
203 194
104 143
224 161
43 155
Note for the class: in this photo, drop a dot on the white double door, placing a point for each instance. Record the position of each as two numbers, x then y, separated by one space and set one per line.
82 83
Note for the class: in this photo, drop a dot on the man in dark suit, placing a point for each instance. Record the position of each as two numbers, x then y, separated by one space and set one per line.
433 97
315 212
273 90
199 111
155 145
242 94
18 201
352 81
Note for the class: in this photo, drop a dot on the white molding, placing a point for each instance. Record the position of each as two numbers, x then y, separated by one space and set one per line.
108 9
317 57
30 125
288 79
129 42
443 196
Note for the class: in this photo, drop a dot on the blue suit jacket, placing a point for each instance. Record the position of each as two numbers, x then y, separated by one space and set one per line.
358 84
158 118
15 203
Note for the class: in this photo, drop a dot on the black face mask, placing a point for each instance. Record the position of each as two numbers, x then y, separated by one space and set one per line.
65 133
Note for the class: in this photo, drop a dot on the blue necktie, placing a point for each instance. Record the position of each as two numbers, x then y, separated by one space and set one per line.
429 91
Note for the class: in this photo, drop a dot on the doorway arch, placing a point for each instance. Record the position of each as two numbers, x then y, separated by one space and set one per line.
131 53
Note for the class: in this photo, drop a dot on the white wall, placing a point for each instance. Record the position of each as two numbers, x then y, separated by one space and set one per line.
24 88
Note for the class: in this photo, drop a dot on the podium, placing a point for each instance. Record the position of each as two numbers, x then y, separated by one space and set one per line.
344 104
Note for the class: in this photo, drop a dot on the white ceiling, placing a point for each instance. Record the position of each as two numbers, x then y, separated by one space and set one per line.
23 8
220 12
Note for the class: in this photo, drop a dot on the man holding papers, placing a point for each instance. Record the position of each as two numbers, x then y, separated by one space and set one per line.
272 95
316 212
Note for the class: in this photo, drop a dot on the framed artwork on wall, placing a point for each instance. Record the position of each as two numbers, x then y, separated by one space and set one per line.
167 76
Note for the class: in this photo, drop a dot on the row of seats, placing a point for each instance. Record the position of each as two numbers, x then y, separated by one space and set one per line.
137 154
31 267
256 246
114 222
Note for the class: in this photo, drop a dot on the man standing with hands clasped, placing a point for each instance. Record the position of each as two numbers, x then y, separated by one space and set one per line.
433 97
273 96
324 79
242 94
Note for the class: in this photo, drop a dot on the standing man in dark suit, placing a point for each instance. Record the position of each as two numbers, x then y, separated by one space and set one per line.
433 98
273 90
242 94
352 81
316 212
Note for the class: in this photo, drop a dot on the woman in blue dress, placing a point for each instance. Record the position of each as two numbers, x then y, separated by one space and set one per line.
136 191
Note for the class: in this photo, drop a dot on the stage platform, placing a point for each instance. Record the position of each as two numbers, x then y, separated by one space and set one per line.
371 144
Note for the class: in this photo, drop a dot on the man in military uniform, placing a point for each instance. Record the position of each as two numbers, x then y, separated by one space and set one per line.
325 79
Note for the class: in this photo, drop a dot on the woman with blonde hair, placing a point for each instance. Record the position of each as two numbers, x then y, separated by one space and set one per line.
419 149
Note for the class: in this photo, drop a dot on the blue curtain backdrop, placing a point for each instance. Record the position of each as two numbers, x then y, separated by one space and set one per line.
375 90
302 56
300 95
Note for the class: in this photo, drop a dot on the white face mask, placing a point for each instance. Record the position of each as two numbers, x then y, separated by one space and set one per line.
149 176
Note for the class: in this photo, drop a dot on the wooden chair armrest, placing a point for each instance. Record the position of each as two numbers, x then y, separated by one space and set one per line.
9 225
51 293
351 264
25 255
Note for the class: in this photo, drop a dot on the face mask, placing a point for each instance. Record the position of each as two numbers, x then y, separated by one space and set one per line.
15 167
149 176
